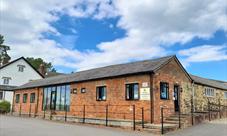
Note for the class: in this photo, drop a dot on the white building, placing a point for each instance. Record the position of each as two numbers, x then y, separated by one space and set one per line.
16 73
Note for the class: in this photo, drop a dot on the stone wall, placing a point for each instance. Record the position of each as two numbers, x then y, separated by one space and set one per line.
201 101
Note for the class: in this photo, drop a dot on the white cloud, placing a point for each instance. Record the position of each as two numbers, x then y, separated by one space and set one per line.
148 24
205 53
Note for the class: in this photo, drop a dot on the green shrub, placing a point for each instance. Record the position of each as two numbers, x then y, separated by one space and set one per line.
4 107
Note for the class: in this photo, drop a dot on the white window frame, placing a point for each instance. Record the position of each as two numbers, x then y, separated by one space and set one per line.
209 92
103 90
6 80
225 95
20 68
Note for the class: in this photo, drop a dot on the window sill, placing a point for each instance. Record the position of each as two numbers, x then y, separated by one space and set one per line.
100 100
210 96
132 99
164 99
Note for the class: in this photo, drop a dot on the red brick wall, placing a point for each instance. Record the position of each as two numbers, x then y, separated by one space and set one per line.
172 74
25 107
119 108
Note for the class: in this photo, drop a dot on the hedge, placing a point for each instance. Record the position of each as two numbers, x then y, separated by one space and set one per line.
4 107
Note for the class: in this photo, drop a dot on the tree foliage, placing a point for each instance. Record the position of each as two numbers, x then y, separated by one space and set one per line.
4 57
36 62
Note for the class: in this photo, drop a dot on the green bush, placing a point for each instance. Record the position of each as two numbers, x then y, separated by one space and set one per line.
4 107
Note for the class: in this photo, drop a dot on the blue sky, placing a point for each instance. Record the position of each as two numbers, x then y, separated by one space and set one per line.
85 34
90 32
78 35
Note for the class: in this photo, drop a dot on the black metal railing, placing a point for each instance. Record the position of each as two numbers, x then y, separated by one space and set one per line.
210 109
99 112
164 116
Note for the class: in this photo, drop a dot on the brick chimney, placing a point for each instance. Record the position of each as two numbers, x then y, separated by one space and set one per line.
42 69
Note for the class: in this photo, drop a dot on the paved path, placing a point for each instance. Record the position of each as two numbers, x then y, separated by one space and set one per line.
16 126
213 128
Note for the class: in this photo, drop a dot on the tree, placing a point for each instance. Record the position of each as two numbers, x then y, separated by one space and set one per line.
36 62
4 57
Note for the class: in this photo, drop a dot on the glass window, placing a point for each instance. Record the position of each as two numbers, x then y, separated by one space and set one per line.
57 98
45 91
67 93
25 96
53 98
209 92
17 98
101 93
164 90
6 80
132 91
83 90
48 98
62 98
32 98
21 68
225 95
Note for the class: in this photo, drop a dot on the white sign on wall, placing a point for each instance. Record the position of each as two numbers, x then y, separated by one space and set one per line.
145 84
145 93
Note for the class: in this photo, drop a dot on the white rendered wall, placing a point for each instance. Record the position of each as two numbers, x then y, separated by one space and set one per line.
8 96
18 78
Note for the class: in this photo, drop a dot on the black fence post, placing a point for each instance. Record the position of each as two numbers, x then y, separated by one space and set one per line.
179 105
20 110
162 121
179 118
84 114
219 106
44 112
66 114
142 117
29 111
134 117
35 111
192 111
209 110
106 115
51 114
12 109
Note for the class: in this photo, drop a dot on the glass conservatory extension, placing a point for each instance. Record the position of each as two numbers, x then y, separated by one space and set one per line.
56 98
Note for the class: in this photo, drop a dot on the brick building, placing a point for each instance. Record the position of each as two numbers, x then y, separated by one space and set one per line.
149 84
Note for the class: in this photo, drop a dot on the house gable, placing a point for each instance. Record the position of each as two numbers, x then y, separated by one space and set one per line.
174 68
18 72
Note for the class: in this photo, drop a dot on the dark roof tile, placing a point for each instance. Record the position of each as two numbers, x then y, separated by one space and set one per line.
209 82
103 72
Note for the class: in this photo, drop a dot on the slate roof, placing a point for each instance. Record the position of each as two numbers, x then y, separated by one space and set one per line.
52 74
209 82
103 72
7 88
